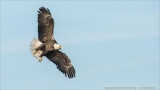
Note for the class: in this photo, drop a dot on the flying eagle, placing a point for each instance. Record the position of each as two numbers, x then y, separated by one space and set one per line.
47 46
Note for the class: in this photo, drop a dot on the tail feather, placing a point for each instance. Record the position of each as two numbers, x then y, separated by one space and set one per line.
35 43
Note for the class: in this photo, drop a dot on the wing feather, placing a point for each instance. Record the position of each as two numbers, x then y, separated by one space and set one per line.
63 63
45 25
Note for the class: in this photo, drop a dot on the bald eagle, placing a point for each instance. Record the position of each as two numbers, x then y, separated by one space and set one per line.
47 46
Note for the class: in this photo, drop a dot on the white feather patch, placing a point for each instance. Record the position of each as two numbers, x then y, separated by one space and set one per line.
35 43
56 46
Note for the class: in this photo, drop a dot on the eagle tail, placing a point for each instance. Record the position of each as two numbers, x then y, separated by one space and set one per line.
35 43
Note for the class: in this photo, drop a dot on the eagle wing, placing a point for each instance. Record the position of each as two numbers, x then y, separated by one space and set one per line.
63 62
45 25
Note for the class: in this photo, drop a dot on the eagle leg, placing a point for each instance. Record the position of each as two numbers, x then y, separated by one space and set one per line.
44 53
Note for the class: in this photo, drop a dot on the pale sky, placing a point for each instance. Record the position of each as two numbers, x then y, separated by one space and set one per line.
110 43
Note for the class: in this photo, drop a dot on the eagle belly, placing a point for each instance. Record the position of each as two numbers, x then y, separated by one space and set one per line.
35 43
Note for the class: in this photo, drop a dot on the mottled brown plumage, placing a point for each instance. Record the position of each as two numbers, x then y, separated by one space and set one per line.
63 62
47 45
45 29
45 25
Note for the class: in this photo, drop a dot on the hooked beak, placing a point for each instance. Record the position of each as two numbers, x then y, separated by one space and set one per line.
60 48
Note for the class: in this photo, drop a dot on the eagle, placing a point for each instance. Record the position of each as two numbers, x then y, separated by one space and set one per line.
47 46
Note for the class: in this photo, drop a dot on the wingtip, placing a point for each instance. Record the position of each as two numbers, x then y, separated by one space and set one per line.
71 73
44 10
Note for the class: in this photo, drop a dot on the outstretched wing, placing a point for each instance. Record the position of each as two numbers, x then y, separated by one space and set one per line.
45 25
63 62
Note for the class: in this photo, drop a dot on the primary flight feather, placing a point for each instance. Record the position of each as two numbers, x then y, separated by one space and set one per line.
47 46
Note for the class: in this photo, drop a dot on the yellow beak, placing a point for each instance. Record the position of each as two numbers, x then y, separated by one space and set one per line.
61 47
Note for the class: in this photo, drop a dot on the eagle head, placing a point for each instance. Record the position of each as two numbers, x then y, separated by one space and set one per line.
57 46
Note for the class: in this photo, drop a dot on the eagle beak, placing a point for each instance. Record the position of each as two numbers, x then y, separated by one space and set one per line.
61 47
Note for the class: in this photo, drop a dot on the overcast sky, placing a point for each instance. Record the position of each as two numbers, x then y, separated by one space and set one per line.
110 43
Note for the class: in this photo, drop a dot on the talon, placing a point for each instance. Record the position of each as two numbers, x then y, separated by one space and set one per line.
40 59
34 52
